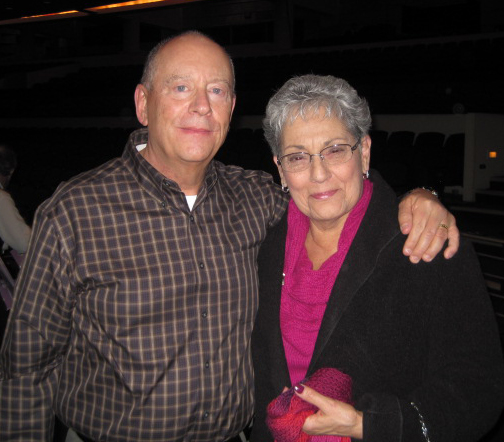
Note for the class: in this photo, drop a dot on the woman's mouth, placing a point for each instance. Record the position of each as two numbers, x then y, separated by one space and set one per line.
323 195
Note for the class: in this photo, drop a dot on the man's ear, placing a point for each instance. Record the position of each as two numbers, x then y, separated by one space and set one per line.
141 94
233 103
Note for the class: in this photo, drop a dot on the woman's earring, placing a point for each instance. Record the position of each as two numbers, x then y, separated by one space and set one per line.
365 175
285 189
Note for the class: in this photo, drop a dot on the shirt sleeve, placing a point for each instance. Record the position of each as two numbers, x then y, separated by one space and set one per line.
36 338
275 199
13 229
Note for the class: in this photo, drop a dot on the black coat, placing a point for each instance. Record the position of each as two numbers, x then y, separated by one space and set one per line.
423 333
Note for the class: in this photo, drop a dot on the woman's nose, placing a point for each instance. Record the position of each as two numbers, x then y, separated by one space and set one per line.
318 168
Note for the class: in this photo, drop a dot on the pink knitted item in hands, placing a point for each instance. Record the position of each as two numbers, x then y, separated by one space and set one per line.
286 414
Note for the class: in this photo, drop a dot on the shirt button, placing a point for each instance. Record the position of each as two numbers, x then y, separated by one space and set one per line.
201 265
207 364
191 218
165 183
206 414
204 314
163 204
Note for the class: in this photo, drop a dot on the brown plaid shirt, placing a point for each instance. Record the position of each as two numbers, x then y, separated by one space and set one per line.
132 316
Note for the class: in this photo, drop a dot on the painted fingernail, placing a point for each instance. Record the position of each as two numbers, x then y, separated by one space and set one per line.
299 388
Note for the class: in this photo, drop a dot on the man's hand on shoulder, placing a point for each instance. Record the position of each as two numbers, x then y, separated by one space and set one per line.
428 225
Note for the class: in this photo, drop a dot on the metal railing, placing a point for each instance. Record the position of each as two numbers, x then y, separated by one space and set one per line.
490 253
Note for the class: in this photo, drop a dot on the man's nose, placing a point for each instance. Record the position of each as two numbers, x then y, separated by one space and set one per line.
201 103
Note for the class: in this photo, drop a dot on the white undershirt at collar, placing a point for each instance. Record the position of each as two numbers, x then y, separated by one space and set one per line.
191 199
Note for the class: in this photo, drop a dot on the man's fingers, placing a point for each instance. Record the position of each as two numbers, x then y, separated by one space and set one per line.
428 225
435 243
405 216
453 241
418 240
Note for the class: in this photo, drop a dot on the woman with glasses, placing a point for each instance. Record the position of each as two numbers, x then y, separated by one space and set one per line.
415 348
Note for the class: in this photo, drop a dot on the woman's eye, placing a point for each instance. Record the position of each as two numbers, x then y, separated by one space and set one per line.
296 157
336 149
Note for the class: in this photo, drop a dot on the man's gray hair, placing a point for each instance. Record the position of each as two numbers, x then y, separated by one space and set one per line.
150 63
305 95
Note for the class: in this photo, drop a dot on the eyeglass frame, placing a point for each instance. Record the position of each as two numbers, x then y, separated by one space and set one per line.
352 149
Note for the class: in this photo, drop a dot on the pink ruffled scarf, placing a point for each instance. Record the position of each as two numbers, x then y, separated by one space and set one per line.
306 291
304 298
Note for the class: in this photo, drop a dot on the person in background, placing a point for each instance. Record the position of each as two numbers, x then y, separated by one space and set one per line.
133 314
14 235
14 232
413 349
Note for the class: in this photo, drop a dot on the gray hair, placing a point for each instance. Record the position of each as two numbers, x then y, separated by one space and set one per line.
151 65
304 95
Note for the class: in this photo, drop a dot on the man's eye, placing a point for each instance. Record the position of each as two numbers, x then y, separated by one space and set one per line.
219 91
181 88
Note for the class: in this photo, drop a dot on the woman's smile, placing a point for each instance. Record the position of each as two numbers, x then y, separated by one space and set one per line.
323 195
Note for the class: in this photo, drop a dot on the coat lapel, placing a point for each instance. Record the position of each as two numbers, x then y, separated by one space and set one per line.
273 254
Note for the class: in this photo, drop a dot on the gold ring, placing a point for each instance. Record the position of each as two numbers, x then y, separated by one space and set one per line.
444 226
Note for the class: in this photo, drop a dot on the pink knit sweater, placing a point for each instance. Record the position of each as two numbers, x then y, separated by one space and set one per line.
306 291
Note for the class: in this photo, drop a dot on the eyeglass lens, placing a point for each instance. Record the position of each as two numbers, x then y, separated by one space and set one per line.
338 153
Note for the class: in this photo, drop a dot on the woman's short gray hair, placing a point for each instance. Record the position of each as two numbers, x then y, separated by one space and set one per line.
304 95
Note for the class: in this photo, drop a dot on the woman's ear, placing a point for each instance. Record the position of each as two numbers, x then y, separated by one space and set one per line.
280 171
365 153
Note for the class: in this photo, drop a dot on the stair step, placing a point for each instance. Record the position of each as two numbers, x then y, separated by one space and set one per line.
495 198
482 221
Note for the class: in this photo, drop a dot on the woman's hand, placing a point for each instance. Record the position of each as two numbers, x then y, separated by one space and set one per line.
334 417
428 225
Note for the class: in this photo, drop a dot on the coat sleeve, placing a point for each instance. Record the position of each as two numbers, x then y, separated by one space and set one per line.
462 391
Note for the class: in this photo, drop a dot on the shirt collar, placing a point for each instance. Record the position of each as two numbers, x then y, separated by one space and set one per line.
149 177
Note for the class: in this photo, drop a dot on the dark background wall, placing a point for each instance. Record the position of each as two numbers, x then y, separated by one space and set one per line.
67 85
